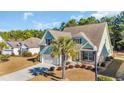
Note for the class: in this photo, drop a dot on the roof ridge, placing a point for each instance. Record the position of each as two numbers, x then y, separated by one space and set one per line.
58 31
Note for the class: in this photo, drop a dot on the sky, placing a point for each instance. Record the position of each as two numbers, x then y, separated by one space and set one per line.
15 20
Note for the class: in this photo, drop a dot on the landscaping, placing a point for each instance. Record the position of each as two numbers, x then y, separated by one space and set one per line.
116 68
105 78
73 73
15 64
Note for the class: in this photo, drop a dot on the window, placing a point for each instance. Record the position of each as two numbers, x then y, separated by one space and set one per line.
48 41
77 40
88 55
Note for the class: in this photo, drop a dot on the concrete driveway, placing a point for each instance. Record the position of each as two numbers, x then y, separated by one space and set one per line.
22 75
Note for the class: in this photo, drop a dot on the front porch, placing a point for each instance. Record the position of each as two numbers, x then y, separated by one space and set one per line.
86 57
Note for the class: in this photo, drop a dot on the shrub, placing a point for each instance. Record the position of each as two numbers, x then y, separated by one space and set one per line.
89 67
111 57
26 54
67 63
59 68
4 57
70 66
13 54
77 66
83 66
107 59
105 78
66 68
51 68
103 64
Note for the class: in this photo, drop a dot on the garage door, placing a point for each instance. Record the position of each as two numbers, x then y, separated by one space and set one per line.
7 51
50 60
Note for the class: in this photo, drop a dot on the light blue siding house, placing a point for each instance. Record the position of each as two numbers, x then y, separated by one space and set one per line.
89 38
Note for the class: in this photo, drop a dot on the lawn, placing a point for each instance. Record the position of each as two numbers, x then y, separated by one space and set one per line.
113 68
14 64
76 74
119 55
116 68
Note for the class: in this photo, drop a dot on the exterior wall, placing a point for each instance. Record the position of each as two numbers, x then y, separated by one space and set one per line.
34 50
87 46
47 35
104 54
83 41
104 41
7 51
1 39
50 60
16 51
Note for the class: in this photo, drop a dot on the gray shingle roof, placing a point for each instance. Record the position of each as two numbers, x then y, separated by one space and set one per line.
13 44
58 34
93 31
30 43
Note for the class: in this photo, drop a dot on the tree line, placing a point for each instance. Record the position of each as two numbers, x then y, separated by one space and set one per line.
21 34
115 25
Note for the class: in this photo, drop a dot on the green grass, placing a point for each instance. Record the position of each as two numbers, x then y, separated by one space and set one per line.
120 58
105 78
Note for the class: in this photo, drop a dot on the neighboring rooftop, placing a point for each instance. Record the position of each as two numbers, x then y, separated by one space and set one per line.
13 44
32 42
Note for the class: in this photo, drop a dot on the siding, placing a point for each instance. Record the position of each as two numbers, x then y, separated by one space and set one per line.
83 41
47 35
88 46
34 50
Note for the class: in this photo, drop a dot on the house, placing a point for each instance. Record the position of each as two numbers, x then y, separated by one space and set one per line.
18 47
88 38
1 39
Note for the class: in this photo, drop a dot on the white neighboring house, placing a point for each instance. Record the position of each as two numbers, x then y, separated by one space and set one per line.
1 39
30 44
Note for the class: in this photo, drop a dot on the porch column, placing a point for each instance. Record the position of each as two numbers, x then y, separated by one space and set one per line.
80 56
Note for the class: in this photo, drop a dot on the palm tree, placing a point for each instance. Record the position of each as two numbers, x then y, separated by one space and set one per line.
64 48
2 46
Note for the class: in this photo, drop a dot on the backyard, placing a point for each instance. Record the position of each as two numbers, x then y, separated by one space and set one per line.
116 68
15 64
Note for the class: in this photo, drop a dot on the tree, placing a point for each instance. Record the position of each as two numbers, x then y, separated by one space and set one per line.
63 48
89 20
62 26
26 35
121 42
2 46
21 34
82 21
117 28
71 23
55 28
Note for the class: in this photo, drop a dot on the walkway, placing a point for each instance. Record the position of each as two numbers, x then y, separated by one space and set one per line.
22 75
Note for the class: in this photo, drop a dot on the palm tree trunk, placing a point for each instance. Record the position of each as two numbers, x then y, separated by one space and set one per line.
63 70
63 65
